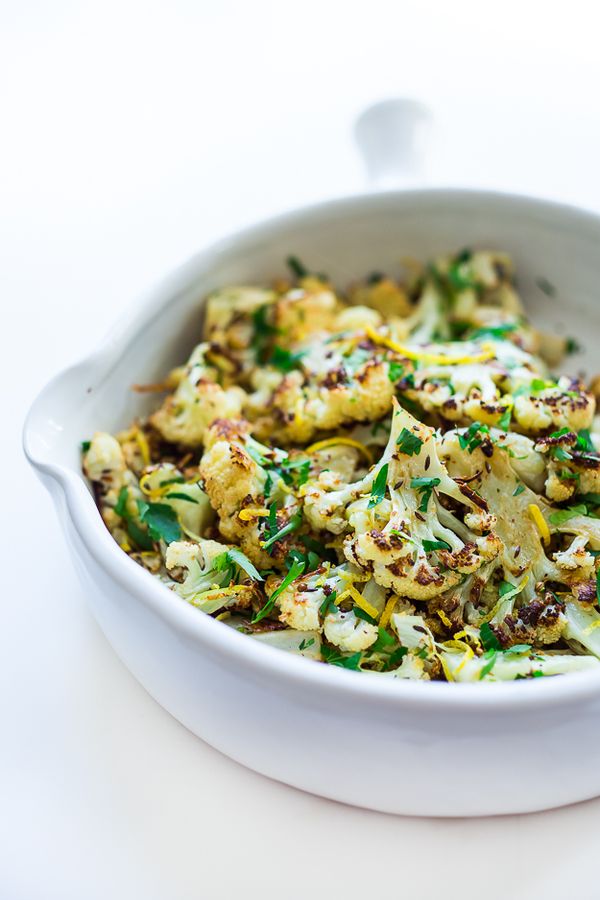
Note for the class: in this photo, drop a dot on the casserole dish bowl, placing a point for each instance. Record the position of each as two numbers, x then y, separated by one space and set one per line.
396 746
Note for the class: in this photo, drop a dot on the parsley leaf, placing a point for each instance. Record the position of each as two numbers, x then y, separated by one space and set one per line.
491 656
472 437
584 441
504 420
304 644
161 520
285 360
297 268
384 640
379 486
335 658
296 569
85 446
425 486
488 638
396 657
292 525
493 331
327 604
395 370
121 504
176 495
429 546
139 537
409 443
563 515
235 557
517 649
518 490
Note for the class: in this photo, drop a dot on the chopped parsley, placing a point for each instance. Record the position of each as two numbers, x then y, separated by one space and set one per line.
276 534
491 656
375 278
285 360
264 330
472 438
161 520
234 557
384 641
563 515
85 446
518 490
396 657
584 441
572 346
409 443
304 644
177 495
493 331
430 546
425 487
138 535
488 638
379 486
395 370
328 604
517 650
297 268
295 570
335 658
504 420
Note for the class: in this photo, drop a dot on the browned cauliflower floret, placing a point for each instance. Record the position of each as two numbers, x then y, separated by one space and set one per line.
198 400
251 487
415 545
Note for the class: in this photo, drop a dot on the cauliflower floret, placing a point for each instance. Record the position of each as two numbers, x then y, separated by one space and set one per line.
240 477
305 311
198 400
104 462
571 468
381 294
311 603
348 632
567 405
422 549
211 577
301 409
575 561
356 318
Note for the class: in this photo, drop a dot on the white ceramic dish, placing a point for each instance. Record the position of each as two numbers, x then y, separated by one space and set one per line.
427 749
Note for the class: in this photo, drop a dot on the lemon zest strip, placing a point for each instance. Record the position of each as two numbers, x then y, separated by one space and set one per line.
539 522
444 618
386 615
359 600
142 443
346 442
469 654
252 512
436 359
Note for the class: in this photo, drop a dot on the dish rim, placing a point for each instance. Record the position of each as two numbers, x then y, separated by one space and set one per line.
291 670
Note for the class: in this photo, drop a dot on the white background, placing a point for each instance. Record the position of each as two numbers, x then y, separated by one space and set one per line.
131 134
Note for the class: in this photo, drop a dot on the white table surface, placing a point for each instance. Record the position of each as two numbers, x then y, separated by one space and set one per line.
132 134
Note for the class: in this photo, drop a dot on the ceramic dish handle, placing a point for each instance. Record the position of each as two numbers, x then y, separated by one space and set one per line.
392 137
